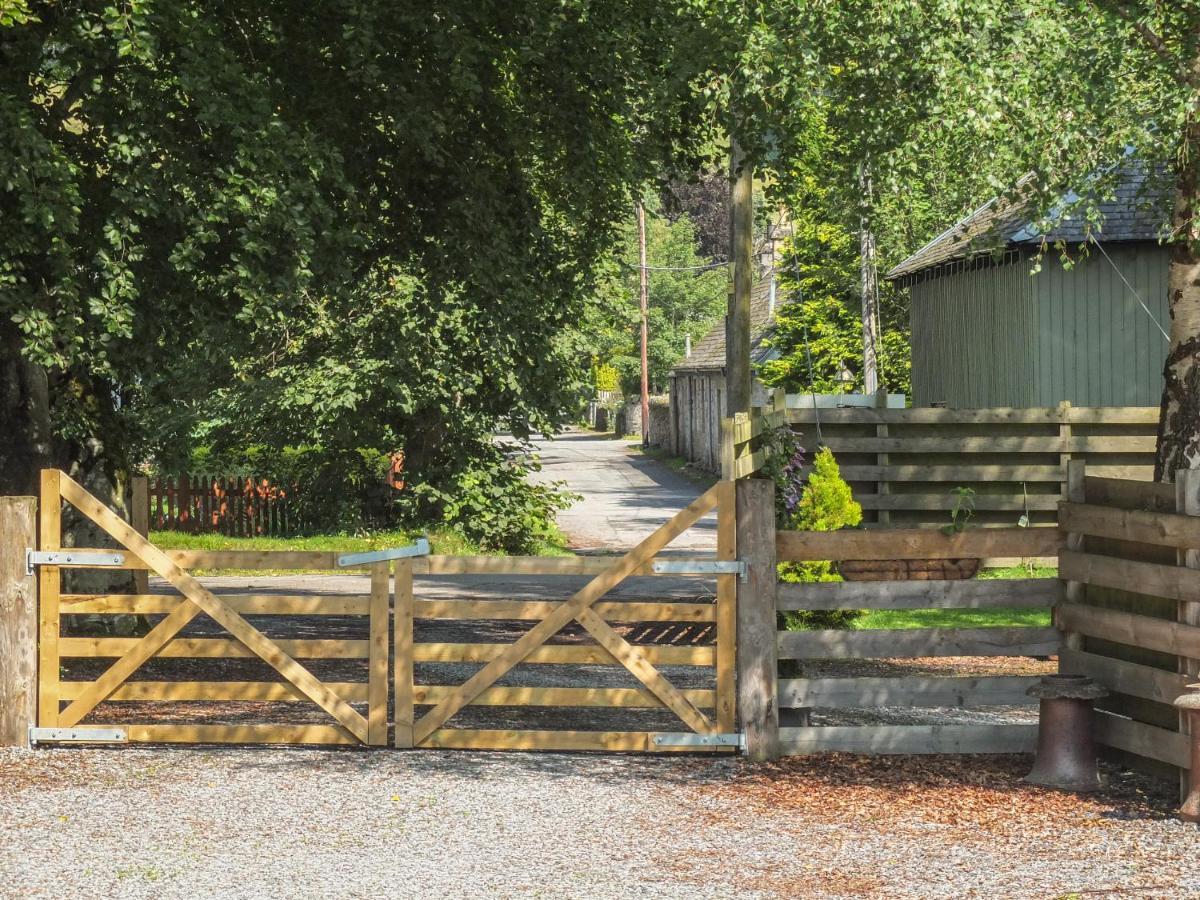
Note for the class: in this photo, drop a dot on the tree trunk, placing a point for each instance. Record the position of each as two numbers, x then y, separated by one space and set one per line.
1179 416
28 444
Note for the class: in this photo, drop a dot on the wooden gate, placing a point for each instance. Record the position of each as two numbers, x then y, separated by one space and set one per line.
350 698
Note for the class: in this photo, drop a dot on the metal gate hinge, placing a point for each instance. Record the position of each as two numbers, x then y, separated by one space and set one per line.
96 558
86 735
420 548
692 739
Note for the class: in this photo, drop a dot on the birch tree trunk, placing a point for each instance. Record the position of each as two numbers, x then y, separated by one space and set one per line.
1179 416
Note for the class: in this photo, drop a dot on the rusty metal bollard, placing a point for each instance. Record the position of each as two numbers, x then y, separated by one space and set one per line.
1189 702
1066 752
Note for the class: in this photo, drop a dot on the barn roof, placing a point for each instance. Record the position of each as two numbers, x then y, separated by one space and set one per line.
1135 212
709 352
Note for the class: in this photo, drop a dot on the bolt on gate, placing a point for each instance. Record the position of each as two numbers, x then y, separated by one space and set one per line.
379 661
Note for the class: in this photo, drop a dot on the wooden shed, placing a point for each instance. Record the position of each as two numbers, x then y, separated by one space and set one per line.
698 382
989 331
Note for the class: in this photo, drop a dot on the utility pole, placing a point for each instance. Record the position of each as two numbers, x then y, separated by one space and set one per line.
644 274
870 287
737 323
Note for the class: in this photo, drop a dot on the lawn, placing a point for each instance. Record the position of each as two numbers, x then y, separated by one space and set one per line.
999 617
443 542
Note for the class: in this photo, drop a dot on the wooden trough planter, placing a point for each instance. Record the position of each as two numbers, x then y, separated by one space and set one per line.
909 569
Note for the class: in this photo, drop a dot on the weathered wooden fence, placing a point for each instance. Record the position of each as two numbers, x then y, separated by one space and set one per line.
903 464
967 691
1132 606
234 505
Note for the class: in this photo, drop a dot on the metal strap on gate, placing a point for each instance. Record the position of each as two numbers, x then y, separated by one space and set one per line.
100 559
698 567
692 739
420 548
79 735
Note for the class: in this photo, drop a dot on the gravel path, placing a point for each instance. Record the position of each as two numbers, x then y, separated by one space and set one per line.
317 823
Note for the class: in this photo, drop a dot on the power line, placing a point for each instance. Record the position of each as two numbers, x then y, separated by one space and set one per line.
1132 289
716 265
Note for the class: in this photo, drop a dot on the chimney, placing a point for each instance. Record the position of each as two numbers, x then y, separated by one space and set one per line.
687 345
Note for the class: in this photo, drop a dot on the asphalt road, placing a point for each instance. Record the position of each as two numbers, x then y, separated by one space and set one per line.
625 495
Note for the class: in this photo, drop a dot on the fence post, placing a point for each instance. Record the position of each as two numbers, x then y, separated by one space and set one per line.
402 642
726 450
18 621
1064 446
1074 591
757 652
882 485
1187 503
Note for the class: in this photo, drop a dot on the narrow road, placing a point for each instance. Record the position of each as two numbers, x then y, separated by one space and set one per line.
625 495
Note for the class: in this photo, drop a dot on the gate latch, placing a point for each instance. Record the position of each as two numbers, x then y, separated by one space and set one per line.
420 548
89 558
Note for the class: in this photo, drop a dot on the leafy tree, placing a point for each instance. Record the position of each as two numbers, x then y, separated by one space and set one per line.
685 302
1061 91
336 226
819 332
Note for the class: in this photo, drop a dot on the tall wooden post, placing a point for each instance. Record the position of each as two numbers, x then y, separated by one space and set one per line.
18 622
870 288
1187 503
644 284
1074 591
757 653
741 254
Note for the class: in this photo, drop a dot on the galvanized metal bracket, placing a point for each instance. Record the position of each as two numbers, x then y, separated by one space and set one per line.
420 548
699 567
100 559
77 735
692 739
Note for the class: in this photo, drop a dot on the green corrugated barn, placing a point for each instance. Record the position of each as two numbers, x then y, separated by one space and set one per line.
986 331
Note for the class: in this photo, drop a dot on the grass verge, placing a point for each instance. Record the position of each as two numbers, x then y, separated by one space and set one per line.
443 542
675 463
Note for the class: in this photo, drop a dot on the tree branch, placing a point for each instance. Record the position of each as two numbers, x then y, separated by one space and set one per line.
1150 38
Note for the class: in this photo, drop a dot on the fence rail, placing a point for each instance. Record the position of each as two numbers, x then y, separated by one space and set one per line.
902 463
1133 604
803 694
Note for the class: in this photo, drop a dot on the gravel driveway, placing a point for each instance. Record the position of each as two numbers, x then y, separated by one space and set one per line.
320 823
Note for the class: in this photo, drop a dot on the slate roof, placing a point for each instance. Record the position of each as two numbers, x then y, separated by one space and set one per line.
1136 212
708 354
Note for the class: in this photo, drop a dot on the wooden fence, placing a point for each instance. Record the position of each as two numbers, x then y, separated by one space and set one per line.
805 692
903 464
1132 606
233 505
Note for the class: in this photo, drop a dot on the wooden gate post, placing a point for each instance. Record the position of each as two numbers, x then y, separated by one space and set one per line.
18 622
757 652
1187 503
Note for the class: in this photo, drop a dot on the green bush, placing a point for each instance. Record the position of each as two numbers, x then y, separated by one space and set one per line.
825 504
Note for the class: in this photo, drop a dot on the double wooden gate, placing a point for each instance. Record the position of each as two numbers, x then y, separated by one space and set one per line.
205 673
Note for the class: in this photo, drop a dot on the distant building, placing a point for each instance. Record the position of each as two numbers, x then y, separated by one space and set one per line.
985 332
698 382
